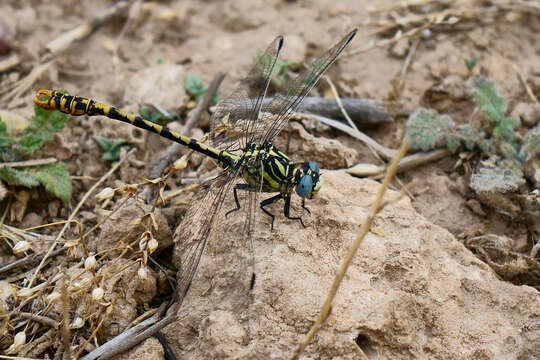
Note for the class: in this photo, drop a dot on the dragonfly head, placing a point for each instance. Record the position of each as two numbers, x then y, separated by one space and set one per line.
310 182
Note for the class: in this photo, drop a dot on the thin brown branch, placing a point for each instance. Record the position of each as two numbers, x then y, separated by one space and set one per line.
44 320
29 163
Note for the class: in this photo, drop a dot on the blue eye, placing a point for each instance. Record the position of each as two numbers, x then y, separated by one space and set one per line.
304 186
312 165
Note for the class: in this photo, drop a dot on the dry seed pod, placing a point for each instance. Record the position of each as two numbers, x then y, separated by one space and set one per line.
106 193
143 273
21 247
90 263
97 294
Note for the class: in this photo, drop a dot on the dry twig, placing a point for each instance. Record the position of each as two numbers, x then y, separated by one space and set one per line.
86 28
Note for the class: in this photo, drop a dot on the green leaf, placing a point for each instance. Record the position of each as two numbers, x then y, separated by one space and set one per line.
452 142
153 114
507 177
42 126
489 98
194 86
531 144
111 147
54 177
4 140
31 141
14 176
471 63
428 130
509 150
280 76
505 129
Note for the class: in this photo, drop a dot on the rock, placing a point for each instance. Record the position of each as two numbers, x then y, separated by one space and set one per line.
161 85
400 48
123 226
31 219
148 349
528 113
413 292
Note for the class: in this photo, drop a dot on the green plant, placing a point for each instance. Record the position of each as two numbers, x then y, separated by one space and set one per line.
155 115
195 87
40 130
471 62
428 130
280 75
111 147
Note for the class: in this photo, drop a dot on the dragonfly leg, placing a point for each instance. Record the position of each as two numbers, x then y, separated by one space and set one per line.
269 201
287 208
304 206
238 207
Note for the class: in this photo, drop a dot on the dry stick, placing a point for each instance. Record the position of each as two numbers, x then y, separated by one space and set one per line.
365 112
364 229
28 260
44 320
24 84
77 208
384 152
338 100
415 160
28 163
174 149
85 29
340 104
9 62
133 336
407 63
524 81
64 330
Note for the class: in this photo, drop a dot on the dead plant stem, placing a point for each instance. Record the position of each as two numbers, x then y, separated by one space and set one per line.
74 212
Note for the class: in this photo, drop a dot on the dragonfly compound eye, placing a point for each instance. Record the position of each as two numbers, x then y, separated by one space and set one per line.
312 165
304 186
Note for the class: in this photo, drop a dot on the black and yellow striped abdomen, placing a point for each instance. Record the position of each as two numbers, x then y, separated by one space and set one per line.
77 106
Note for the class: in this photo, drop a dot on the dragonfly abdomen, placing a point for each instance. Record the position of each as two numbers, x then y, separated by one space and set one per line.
77 106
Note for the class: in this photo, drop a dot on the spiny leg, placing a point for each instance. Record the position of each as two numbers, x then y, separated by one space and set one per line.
238 207
287 208
304 206
269 201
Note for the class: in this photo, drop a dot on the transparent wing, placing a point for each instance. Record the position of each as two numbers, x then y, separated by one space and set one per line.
195 230
236 117
296 89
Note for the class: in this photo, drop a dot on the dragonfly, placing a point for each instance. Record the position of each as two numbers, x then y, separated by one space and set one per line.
243 127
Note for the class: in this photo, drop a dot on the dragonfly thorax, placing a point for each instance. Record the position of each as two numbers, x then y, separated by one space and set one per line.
267 169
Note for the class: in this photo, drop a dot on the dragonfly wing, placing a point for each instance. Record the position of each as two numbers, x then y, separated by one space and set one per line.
193 233
284 104
236 117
